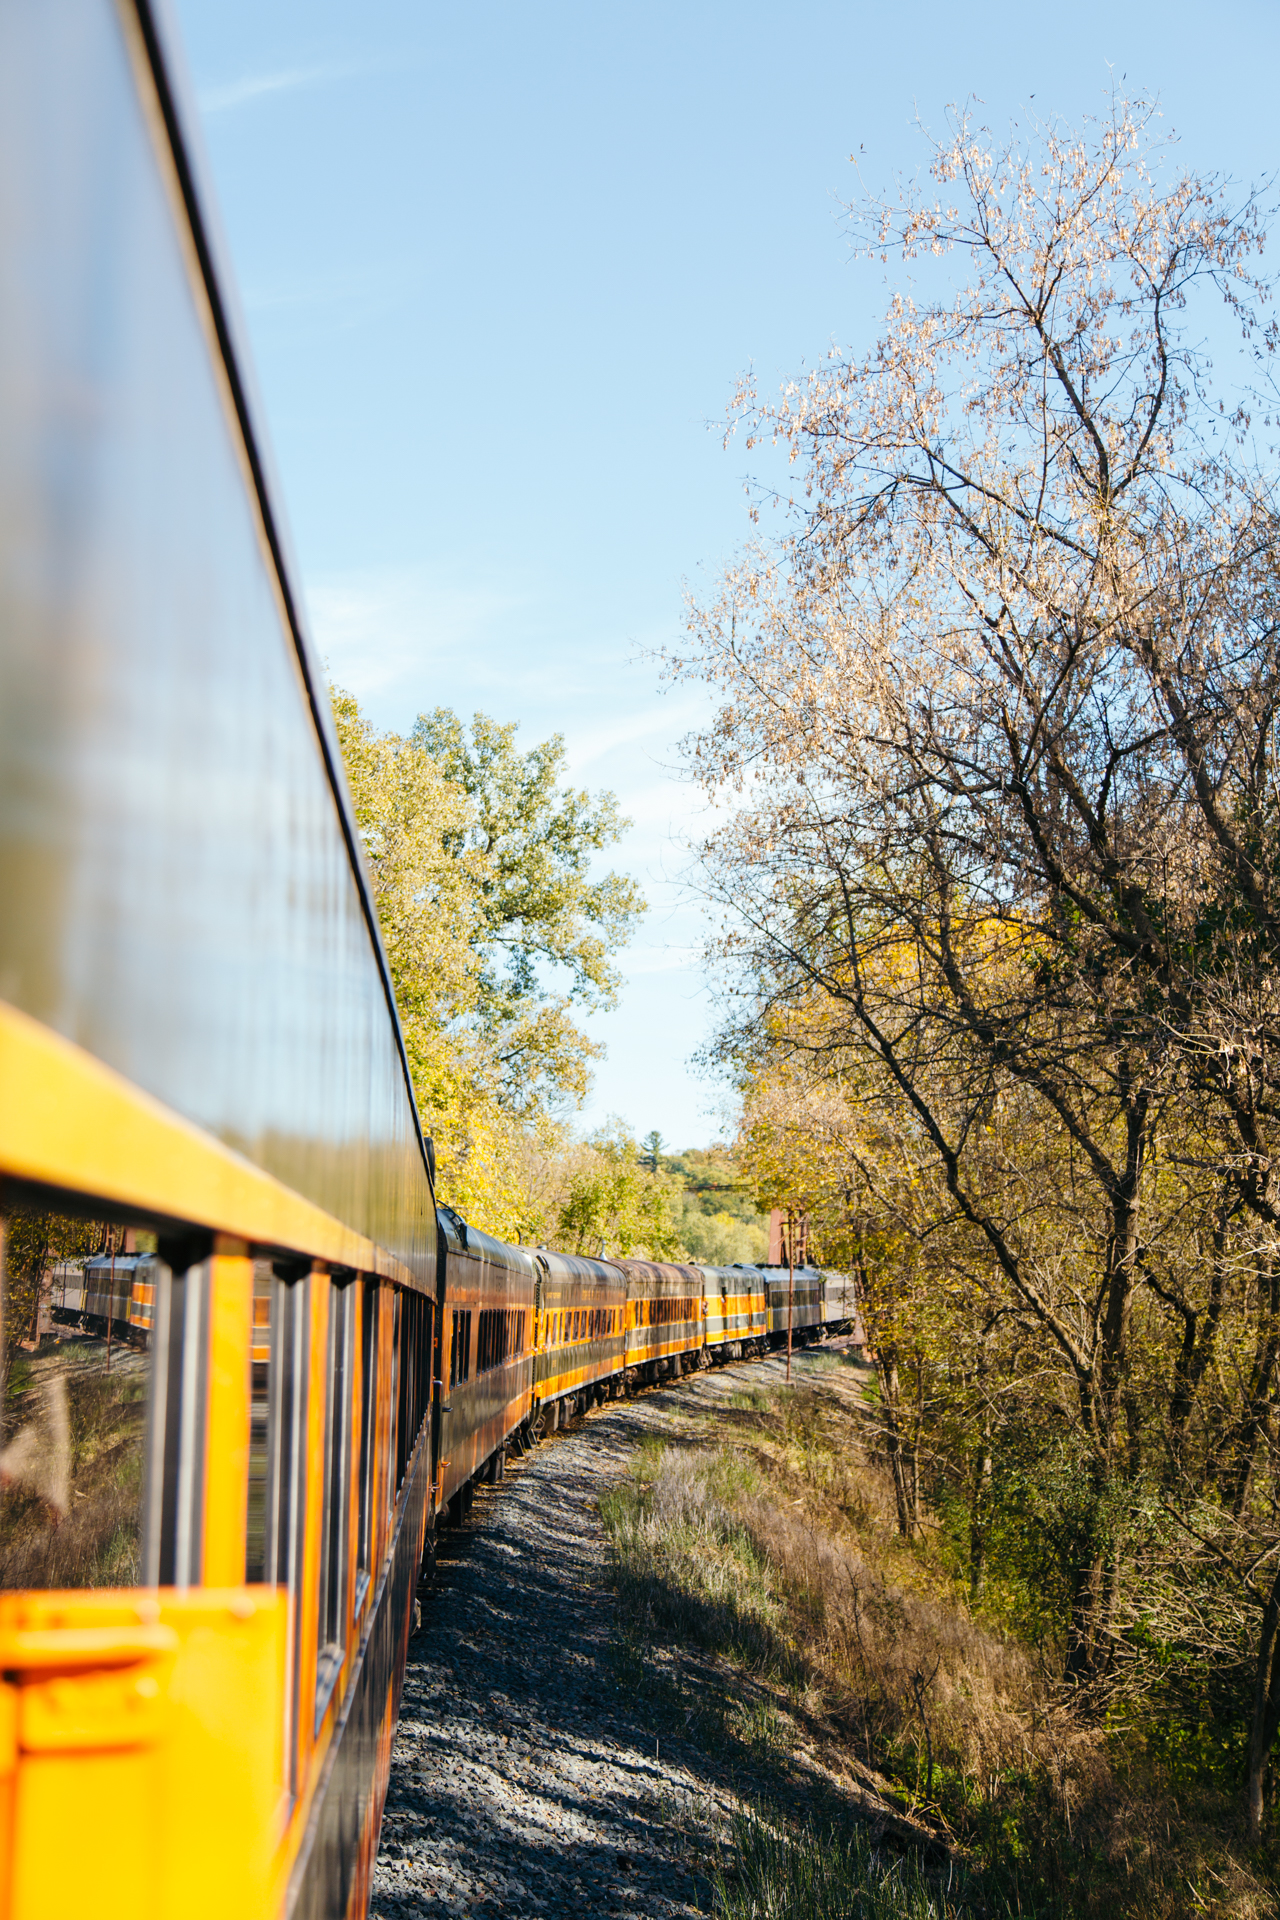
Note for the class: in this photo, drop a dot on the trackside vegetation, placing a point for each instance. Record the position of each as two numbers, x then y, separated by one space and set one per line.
500 934
890 1745
997 703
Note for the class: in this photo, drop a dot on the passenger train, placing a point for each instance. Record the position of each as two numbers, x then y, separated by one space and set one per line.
223 1468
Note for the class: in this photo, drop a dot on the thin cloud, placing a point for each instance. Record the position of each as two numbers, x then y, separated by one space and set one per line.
258 86
637 961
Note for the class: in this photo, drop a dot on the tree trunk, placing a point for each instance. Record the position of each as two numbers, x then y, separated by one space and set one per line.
1257 1407
980 1487
1198 1346
1086 1584
1266 1708
917 1434
890 1401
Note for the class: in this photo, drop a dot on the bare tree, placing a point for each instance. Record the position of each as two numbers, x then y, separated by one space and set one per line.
1000 703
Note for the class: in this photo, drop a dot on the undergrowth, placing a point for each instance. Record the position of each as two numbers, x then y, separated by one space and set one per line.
769 1545
804 1872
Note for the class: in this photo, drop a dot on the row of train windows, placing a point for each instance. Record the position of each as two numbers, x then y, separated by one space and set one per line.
660 1313
108 1472
584 1323
367 1436
499 1336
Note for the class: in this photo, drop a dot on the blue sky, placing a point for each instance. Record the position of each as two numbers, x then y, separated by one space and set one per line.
501 265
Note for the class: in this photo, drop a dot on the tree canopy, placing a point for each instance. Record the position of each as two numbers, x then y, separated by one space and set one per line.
496 931
544 931
1001 878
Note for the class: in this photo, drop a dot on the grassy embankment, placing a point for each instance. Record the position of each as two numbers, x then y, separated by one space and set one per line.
898 1752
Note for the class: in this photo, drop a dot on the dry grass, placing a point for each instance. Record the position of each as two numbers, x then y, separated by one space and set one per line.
778 1550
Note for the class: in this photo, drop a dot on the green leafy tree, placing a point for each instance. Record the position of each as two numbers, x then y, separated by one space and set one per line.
547 930
480 864
31 1244
615 1204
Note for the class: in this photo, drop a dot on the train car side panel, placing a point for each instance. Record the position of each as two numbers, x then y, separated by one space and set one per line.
581 1327
488 1299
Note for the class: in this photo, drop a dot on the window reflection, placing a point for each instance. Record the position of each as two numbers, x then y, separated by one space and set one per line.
77 1361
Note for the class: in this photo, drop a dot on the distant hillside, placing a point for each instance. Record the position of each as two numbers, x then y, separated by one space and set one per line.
718 1222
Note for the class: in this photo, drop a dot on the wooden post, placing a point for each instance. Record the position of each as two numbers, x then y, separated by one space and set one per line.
791 1280
111 1296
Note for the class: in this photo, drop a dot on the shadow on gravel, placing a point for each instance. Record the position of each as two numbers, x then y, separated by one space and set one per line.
549 1758
524 1779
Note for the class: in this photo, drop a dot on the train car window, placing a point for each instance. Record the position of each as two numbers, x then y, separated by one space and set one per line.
368 1433
460 1351
332 1619
255 1552
77 1369
173 1501
415 1374
393 1448
406 1425
277 1458
495 1337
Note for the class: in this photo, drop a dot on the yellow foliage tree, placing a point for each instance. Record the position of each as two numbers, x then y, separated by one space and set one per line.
478 858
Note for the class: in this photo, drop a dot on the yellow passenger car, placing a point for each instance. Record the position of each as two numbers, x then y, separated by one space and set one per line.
214 1496
488 1295
666 1319
582 1343
736 1312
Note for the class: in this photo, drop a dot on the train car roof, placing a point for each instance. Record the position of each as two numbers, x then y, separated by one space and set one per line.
663 1275
575 1266
464 1240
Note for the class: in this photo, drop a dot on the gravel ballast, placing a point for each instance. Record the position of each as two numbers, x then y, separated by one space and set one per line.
526 1777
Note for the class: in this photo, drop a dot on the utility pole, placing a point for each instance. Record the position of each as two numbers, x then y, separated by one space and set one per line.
791 1280
111 1296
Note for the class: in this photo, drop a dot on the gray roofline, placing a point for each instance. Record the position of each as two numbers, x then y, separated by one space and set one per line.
159 31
